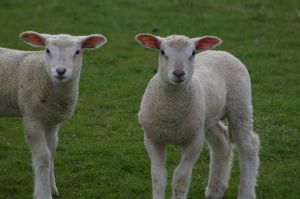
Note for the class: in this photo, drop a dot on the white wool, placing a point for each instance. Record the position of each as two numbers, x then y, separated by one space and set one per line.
216 85
32 87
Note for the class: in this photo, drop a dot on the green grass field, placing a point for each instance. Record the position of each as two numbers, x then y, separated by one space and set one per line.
101 153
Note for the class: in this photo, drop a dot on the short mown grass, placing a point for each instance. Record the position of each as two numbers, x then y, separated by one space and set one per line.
101 152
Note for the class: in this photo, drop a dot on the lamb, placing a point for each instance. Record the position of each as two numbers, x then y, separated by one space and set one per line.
185 102
42 87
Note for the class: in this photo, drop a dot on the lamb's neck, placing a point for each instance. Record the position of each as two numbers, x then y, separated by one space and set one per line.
176 100
66 91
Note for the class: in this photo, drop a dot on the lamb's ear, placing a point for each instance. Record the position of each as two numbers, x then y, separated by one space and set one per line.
92 41
206 42
33 38
149 41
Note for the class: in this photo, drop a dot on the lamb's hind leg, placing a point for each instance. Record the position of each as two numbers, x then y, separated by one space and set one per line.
247 143
183 172
35 136
220 161
52 140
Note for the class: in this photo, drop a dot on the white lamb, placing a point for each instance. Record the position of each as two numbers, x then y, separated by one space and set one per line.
42 87
185 101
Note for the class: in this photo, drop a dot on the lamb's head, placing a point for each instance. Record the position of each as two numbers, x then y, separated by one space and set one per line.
63 53
177 52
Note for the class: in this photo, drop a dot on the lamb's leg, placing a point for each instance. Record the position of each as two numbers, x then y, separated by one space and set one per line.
220 162
183 172
35 136
52 140
157 153
247 143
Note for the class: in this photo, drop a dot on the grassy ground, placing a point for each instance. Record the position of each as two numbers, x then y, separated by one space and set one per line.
101 152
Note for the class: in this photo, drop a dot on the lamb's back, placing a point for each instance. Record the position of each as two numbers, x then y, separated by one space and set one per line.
221 76
9 66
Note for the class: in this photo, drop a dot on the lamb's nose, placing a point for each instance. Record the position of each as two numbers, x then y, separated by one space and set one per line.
178 73
61 70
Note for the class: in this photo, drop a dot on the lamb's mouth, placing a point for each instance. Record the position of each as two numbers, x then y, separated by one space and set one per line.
178 80
60 78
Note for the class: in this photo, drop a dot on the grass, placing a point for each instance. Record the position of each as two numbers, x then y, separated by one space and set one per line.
101 152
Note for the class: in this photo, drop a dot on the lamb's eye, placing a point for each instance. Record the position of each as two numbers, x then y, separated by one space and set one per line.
162 52
194 53
48 51
77 52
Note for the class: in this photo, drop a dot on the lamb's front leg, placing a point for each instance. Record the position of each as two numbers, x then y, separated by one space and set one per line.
157 153
183 172
52 141
35 136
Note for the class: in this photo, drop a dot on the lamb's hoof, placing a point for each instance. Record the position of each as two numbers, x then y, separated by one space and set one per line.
212 197
55 193
36 196
248 196
216 193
